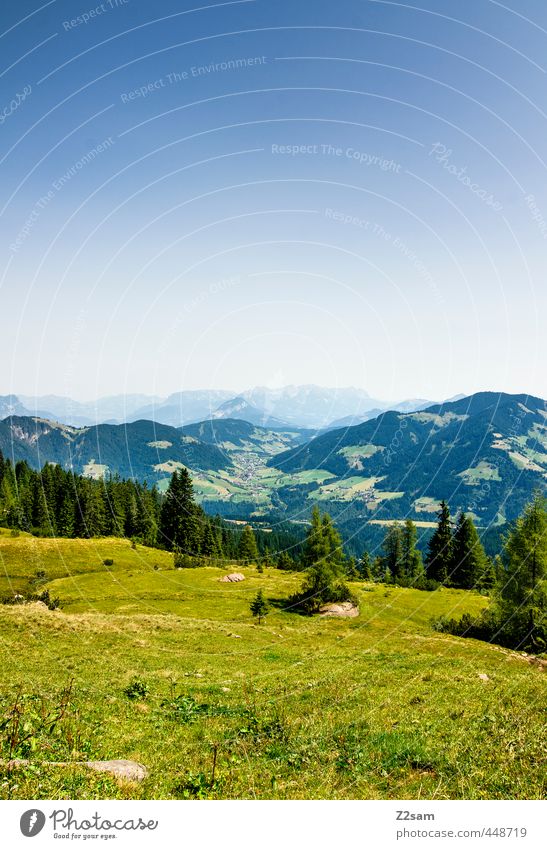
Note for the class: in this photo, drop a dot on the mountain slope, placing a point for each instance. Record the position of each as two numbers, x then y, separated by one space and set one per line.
485 454
143 450
239 435
222 455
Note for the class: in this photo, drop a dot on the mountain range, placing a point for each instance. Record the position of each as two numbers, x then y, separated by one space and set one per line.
306 406
484 454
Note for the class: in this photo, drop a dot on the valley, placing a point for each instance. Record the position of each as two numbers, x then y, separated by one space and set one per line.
484 454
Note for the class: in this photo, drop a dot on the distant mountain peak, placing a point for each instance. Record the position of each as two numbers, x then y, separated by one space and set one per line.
240 408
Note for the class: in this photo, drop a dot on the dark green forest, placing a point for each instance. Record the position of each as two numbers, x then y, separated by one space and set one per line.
53 502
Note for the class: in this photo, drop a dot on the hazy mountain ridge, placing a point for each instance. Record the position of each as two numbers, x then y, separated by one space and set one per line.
306 406
240 408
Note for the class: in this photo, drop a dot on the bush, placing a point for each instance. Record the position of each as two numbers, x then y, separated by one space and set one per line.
108 561
488 627
44 597
429 585
309 603
184 561
137 690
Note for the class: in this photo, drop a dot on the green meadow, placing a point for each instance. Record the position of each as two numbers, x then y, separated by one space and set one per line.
168 668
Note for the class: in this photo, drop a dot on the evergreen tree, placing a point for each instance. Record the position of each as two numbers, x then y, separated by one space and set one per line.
92 510
116 510
9 510
65 522
260 607
316 547
378 571
521 593
392 558
147 515
364 567
325 562
209 542
487 580
267 561
247 549
468 557
439 555
352 572
411 559
285 561
180 516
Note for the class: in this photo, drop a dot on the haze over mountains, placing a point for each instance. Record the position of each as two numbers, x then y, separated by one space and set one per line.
306 406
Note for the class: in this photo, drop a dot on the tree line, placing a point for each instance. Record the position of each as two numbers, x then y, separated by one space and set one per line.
455 556
54 502
517 614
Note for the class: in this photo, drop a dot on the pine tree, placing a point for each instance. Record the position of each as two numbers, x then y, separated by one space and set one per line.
115 511
267 561
468 557
40 521
209 543
392 547
285 561
247 549
364 567
521 593
260 607
439 555
8 493
352 572
411 559
486 581
316 547
147 515
324 557
65 523
180 516
93 511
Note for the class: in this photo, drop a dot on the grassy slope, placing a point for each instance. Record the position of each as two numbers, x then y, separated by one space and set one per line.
377 707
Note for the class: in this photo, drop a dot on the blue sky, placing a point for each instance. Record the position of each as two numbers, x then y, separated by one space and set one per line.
346 193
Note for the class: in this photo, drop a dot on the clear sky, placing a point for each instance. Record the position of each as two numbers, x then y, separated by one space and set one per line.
269 192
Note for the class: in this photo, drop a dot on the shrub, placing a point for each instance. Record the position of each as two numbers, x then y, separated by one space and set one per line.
184 561
137 690
44 597
307 601
52 603
108 561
